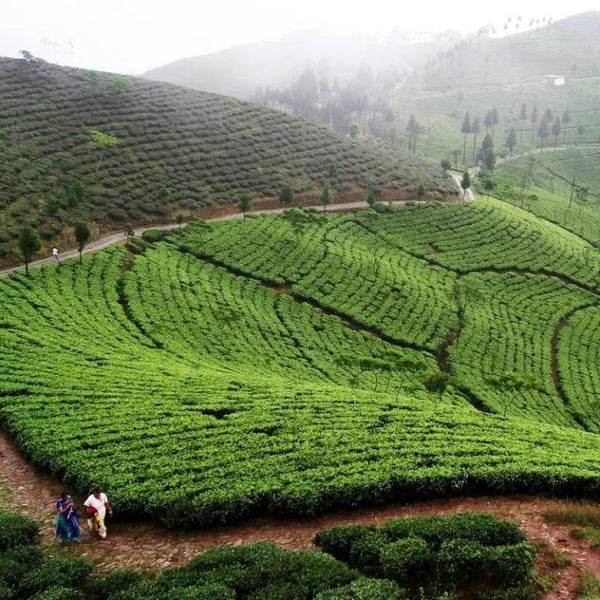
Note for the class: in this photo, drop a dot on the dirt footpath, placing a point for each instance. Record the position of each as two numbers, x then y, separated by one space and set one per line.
140 546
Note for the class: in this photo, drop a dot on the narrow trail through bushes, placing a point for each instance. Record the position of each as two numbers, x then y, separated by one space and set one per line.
143 546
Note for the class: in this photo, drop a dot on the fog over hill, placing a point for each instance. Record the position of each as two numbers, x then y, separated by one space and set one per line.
239 70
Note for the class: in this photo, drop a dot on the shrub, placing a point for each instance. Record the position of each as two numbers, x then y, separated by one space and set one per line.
119 584
208 591
365 589
261 571
62 571
154 235
458 561
511 563
365 552
338 540
57 593
17 530
407 559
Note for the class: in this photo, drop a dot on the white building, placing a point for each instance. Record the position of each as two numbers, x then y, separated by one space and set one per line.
554 80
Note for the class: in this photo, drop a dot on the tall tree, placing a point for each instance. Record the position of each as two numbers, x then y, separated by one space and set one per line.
556 131
534 120
566 119
487 120
371 196
326 196
466 129
489 156
543 132
446 166
488 186
82 235
511 141
523 118
75 195
286 196
353 129
475 131
549 116
29 244
413 131
495 119
245 203
465 183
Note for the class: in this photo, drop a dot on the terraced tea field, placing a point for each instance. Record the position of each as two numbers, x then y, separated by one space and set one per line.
262 366
143 150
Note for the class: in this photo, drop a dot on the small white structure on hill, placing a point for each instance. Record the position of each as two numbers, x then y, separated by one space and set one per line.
554 80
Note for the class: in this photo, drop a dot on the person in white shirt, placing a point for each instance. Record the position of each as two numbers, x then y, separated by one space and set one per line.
55 253
97 505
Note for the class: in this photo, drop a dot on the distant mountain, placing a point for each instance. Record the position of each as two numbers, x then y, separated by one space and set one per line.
240 70
144 149
569 47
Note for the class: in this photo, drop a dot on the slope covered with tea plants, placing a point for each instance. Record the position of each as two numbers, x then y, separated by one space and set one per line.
292 364
144 149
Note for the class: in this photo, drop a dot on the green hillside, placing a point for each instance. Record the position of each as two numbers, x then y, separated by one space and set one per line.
290 364
567 47
160 148
550 194
506 74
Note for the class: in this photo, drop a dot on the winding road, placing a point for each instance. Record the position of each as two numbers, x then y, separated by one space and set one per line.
114 238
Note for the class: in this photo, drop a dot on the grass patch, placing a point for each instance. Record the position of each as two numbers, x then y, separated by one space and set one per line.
574 515
588 586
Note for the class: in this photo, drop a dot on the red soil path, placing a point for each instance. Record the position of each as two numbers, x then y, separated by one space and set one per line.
143 546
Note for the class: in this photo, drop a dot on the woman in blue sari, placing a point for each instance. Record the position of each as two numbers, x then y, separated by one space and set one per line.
67 519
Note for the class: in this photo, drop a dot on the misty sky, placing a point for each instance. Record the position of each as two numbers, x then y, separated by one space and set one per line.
132 36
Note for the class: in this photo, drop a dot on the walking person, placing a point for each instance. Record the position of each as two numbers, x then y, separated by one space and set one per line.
55 254
97 505
67 520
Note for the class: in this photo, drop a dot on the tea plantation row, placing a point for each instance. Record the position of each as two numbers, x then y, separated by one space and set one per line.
196 394
170 148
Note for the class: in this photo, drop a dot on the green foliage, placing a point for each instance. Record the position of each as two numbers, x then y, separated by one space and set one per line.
465 182
365 589
29 244
101 140
16 530
440 554
588 587
292 364
371 196
27 573
154 235
82 236
286 196
154 134
406 559
245 203
326 196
